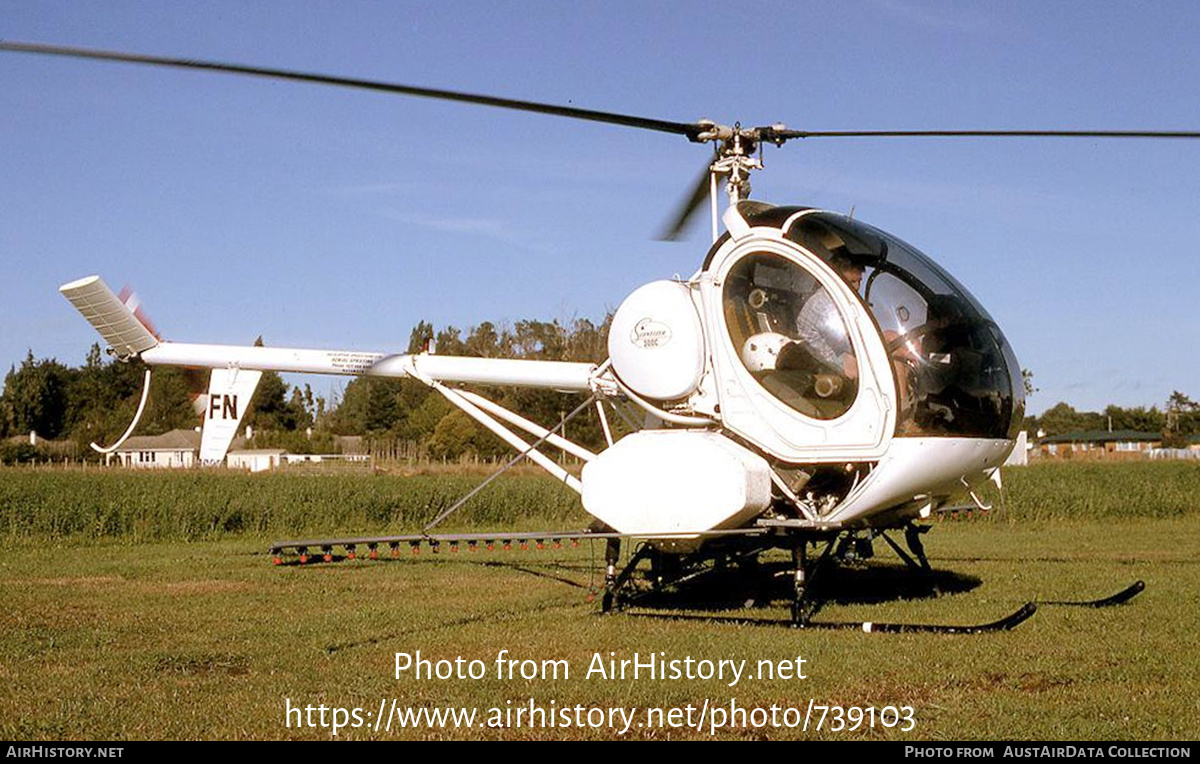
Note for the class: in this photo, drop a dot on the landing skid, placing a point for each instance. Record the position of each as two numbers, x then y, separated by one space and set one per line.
1004 624
1126 594
804 606
1010 621
738 549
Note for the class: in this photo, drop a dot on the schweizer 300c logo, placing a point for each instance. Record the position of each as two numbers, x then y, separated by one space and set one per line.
649 333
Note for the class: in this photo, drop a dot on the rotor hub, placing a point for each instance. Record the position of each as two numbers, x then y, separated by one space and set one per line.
735 149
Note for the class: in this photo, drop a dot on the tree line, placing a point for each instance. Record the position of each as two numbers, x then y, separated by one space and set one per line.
407 410
96 401
1178 420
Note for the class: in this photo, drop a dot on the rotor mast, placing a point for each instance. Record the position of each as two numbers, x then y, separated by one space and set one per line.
735 160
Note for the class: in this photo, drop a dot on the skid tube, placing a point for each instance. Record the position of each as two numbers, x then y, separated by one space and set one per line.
1121 597
1007 623
803 606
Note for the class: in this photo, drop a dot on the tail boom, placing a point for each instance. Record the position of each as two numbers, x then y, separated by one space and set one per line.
557 375
128 336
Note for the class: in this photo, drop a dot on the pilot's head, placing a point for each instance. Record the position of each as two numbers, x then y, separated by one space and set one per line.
850 271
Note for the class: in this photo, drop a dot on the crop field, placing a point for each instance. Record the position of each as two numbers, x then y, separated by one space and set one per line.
145 606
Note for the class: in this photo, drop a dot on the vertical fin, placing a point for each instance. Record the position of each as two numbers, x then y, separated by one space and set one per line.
229 393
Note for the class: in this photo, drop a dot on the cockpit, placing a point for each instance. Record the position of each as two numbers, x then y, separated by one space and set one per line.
954 373
790 335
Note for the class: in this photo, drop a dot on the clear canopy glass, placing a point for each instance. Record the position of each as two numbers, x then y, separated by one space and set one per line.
955 373
790 335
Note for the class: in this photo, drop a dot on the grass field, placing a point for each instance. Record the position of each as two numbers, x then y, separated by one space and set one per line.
146 607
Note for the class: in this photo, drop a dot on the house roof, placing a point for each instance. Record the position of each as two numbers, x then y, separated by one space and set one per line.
175 440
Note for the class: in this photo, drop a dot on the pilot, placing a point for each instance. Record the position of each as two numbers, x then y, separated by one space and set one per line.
819 325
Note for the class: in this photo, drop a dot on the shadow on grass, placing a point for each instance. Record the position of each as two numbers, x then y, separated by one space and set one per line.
735 589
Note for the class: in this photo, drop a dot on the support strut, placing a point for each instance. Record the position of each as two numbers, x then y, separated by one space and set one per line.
804 607
612 553
912 537
613 581
799 575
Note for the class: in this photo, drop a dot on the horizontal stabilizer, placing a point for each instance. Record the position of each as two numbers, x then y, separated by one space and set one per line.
117 324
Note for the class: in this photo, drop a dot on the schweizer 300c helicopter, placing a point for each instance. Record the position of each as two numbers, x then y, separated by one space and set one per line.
816 381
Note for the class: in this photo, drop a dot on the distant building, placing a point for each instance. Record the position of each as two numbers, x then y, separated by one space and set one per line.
322 458
181 449
256 459
177 448
1099 443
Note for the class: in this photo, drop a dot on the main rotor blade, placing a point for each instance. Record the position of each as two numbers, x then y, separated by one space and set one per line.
691 130
685 211
779 135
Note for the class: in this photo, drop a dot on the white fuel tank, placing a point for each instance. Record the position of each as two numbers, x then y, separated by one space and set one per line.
676 482
656 342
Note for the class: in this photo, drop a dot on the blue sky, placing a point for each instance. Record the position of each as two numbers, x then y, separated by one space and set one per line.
327 218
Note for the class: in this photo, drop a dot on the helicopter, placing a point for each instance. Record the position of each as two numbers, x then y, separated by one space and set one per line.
816 381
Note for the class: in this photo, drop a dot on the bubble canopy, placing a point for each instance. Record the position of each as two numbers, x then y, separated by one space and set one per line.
955 373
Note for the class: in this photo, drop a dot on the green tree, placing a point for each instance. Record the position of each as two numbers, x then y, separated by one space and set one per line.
450 342
539 340
420 335
273 408
1182 419
1139 418
588 342
1062 418
455 435
483 341
1177 401
172 391
369 404
421 421
35 397
102 399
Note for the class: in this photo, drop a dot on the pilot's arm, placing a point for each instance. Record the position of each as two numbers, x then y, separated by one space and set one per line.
821 329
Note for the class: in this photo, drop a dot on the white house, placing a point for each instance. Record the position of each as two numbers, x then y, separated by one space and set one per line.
177 448
255 459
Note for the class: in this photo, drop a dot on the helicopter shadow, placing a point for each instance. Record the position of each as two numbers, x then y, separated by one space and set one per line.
734 589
